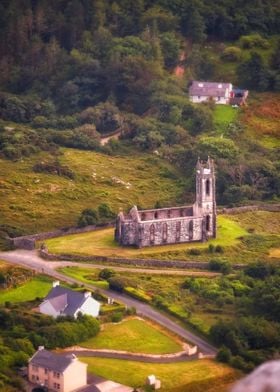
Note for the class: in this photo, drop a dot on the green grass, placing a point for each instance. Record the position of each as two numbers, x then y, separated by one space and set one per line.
85 275
224 114
39 286
101 242
195 376
134 335
37 202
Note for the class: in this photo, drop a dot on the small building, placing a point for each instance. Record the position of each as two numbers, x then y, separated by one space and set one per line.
220 93
173 225
62 301
239 97
64 373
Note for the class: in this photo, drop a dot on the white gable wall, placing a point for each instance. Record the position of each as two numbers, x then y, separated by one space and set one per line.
47 308
90 307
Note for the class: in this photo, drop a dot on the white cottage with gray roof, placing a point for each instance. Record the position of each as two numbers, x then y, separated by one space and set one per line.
219 92
62 301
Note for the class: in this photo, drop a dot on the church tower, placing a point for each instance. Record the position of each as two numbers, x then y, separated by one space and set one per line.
206 196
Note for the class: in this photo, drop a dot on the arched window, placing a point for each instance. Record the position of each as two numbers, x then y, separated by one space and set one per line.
207 187
178 231
208 223
156 215
191 230
143 216
152 234
168 214
164 232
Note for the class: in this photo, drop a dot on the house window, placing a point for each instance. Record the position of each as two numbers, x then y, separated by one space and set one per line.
207 222
56 386
191 230
219 98
152 234
198 97
56 374
164 232
178 231
207 187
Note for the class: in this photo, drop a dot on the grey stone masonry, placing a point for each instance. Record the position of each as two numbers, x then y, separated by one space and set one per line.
175 224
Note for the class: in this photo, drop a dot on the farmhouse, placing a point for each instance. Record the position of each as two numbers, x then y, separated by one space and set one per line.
220 93
63 373
204 91
173 225
62 301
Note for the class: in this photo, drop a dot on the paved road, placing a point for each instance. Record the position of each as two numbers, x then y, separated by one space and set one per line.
31 260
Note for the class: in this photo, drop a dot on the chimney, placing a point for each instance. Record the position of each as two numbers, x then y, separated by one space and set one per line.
55 284
87 294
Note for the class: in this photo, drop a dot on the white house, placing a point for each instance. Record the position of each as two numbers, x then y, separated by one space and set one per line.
62 301
64 373
221 93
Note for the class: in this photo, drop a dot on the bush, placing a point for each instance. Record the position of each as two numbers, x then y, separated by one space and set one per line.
220 266
88 217
194 252
106 274
254 41
231 53
224 355
117 283
138 294
117 317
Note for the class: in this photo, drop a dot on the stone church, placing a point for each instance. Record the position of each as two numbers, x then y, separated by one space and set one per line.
173 225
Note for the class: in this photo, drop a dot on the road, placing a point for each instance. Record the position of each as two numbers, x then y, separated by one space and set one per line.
30 259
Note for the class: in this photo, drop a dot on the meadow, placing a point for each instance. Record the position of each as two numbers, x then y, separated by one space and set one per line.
194 376
33 202
37 287
134 335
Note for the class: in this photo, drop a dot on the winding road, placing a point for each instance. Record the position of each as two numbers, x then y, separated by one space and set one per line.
30 259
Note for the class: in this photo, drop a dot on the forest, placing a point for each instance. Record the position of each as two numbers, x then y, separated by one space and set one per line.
74 71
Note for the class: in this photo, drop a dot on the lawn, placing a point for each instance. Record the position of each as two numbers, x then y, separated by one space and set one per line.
37 202
85 275
39 286
101 242
224 114
134 335
194 376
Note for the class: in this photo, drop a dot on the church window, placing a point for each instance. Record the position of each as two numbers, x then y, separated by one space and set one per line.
207 222
168 214
191 230
156 215
143 216
152 233
164 232
178 231
207 187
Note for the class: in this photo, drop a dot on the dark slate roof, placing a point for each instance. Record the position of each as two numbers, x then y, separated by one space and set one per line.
65 300
51 361
208 89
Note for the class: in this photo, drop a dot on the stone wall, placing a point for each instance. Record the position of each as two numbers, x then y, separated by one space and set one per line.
29 241
155 263
238 210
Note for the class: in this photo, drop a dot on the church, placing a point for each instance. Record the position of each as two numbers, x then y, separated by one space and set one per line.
173 225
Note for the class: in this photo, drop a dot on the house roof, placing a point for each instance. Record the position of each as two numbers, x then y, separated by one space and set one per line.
209 89
65 300
47 359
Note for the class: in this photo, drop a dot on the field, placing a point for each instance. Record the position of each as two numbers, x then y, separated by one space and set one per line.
223 115
262 118
101 242
195 376
36 287
35 202
134 335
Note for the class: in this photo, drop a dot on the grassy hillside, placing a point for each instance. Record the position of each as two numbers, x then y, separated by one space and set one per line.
36 202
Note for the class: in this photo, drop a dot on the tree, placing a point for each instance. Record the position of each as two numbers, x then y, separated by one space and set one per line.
253 74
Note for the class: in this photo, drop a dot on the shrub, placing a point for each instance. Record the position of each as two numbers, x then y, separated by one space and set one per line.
138 294
106 274
223 355
220 266
231 53
117 317
194 252
219 249
254 41
117 283
88 217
